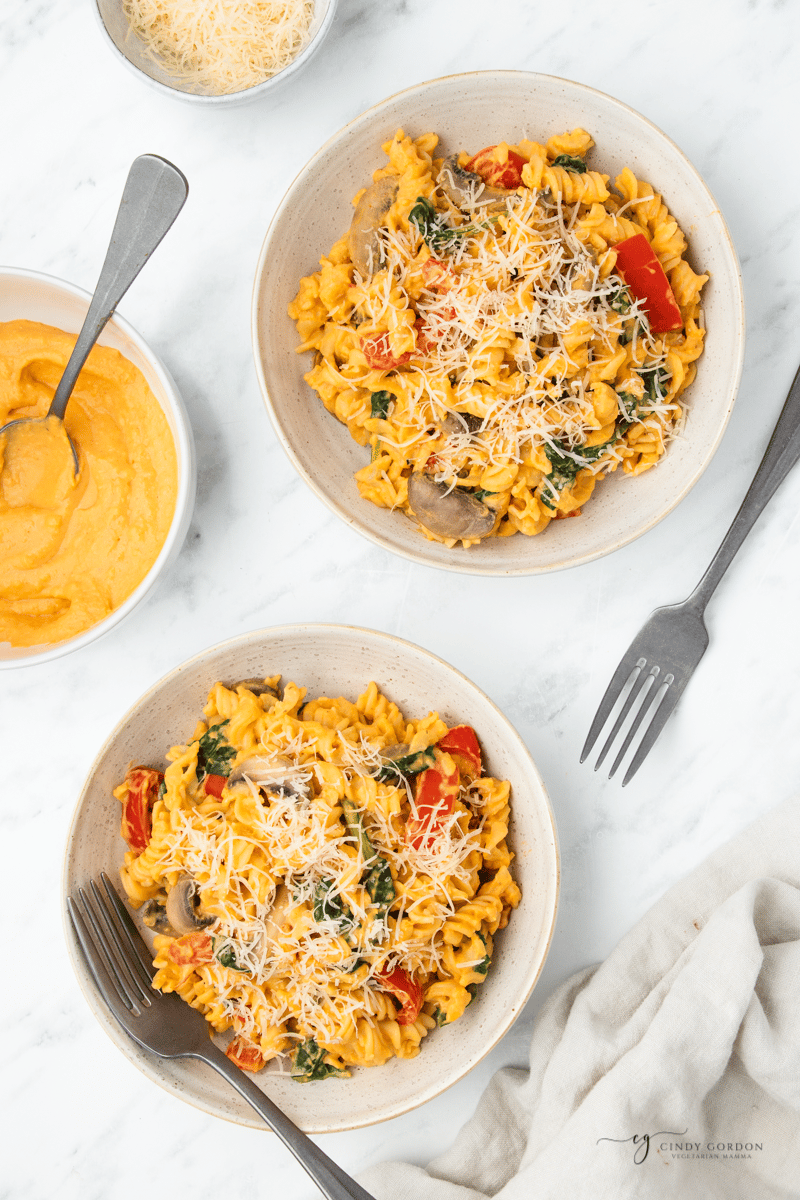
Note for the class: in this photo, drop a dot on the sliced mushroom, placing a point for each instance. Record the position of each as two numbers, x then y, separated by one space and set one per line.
449 513
466 189
154 915
366 251
395 751
458 422
257 686
269 774
183 907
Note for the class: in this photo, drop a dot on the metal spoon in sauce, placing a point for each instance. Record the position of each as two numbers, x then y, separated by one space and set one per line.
154 194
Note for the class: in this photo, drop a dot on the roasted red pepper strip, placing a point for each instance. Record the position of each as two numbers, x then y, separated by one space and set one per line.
461 744
436 792
143 784
406 990
213 785
506 174
191 950
647 280
245 1055
379 353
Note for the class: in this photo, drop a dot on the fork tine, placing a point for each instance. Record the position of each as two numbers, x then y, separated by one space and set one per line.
128 930
639 689
96 961
660 717
116 967
137 990
621 676
638 719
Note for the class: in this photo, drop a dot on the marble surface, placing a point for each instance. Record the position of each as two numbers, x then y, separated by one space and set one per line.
720 79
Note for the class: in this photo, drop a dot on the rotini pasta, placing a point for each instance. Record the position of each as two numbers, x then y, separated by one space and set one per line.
502 331
325 878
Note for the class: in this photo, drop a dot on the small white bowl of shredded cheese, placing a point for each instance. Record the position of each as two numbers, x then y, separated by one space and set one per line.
216 54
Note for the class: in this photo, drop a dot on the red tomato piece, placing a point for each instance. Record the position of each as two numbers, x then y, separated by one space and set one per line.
406 990
425 339
437 275
213 785
245 1055
436 792
191 950
143 784
506 174
559 516
430 329
379 354
647 280
461 744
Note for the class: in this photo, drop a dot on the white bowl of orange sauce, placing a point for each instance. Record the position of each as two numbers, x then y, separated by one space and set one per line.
70 574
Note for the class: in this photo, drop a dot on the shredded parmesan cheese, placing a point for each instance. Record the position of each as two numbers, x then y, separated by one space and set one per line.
221 46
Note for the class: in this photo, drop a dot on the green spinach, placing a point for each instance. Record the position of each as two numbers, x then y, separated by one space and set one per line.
380 886
227 957
437 235
214 752
409 764
564 468
309 1063
570 162
331 908
380 404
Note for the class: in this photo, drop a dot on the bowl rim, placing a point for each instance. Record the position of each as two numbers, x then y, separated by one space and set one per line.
187 477
227 99
468 566
513 1010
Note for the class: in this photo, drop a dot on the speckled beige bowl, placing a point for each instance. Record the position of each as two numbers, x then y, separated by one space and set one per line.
335 660
469 112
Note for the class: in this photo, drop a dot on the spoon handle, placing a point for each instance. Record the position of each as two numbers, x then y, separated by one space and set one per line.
154 194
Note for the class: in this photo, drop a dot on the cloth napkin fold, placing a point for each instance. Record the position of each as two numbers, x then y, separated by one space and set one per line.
671 1070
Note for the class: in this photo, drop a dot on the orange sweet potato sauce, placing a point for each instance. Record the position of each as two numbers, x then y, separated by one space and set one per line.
72 549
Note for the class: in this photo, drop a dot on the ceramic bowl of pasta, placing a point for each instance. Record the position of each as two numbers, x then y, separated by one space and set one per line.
341 854
79 552
220 54
511 300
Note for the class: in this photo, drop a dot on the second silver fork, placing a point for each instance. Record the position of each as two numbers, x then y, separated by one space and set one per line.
662 657
121 966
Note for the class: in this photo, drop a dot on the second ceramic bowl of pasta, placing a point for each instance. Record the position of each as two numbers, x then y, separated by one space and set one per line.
333 661
469 113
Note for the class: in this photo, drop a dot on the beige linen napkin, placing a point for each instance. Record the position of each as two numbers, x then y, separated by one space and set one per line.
671 1070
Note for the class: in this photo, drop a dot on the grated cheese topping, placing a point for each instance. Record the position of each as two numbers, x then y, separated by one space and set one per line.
221 46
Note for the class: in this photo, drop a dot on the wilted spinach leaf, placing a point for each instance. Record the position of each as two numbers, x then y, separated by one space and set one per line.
331 908
214 752
570 162
380 404
309 1063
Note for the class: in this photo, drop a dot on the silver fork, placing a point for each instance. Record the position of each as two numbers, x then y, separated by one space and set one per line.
660 660
121 966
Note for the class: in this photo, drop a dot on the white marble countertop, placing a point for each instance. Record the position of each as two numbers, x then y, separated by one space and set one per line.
720 78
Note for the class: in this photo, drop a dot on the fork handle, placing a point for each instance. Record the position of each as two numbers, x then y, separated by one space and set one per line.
332 1181
780 456
153 195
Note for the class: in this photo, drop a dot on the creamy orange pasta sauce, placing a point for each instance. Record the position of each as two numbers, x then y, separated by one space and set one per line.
73 549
